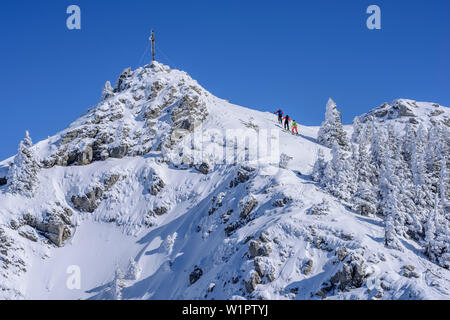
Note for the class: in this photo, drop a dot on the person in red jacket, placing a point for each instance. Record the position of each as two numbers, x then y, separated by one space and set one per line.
286 122
280 116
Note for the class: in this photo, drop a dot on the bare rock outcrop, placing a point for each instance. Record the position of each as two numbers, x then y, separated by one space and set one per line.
161 210
248 207
243 175
252 282
90 201
257 249
157 185
55 226
352 273
195 275
29 233
307 267
203 168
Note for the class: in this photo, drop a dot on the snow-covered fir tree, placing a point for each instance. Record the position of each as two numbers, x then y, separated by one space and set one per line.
332 131
364 200
363 165
409 142
420 189
350 165
410 221
337 175
368 129
385 188
434 153
437 236
388 204
22 176
107 91
401 175
390 233
117 285
133 271
430 234
319 167
357 130
378 147
444 184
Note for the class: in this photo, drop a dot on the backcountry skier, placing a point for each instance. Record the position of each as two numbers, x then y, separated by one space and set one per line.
280 116
294 127
286 122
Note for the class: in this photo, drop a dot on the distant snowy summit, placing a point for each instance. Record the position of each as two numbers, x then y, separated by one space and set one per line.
411 111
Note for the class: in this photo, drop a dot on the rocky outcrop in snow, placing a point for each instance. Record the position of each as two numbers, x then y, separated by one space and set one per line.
90 201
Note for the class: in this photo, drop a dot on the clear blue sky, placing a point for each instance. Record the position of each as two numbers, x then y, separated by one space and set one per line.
260 54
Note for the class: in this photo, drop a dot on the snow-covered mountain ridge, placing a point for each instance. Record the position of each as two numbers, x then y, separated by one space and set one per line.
119 194
404 110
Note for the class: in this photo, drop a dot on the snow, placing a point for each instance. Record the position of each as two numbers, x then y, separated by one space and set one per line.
187 235
47 278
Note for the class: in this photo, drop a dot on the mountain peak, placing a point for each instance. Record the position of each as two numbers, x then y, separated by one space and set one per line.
140 114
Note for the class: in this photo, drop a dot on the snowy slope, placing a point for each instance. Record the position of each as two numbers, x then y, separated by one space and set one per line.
241 230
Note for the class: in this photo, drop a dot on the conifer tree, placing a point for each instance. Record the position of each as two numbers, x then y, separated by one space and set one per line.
358 129
388 205
444 184
107 91
332 131
437 236
364 201
336 174
117 285
378 148
22 176
319 167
